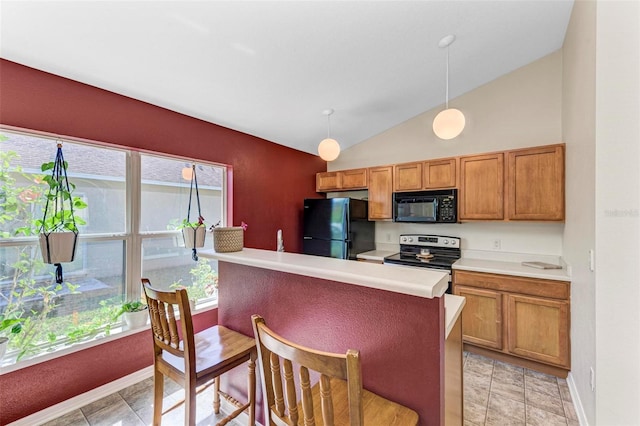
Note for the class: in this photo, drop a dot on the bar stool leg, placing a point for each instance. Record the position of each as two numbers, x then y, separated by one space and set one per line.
252 388
216 395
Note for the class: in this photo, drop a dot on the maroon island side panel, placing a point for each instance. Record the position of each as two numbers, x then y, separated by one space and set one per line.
400 337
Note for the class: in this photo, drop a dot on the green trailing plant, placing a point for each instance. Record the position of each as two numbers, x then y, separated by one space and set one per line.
131 306
9 326
59 212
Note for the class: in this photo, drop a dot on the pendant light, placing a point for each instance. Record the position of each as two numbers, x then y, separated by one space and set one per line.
328 149
448 123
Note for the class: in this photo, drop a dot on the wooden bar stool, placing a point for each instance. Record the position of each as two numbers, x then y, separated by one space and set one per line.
337 399
195 360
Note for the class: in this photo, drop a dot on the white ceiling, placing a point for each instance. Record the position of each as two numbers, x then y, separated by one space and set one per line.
269 68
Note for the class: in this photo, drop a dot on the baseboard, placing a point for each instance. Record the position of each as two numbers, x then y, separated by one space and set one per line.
577 403
75 403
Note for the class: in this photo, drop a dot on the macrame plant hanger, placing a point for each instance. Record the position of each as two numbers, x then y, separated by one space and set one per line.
194 182
56 195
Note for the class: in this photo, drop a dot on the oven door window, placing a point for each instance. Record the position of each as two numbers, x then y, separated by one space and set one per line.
417 210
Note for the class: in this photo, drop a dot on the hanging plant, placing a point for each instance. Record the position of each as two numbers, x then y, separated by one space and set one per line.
59 224
194 233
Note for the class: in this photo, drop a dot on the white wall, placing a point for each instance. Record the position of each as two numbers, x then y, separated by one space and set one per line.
520 109
617 212
578 124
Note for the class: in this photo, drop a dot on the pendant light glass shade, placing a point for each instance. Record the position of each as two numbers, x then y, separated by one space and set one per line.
448 123
187 173
329 148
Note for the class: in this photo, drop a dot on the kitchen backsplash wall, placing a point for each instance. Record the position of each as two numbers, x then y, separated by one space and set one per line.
494 238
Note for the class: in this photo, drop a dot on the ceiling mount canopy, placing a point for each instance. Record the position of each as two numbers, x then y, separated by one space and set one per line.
450 122
329 148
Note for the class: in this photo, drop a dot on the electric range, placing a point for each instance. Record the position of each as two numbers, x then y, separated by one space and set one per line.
427 251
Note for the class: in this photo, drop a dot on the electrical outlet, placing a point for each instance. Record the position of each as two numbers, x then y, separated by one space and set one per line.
497 244
388 237
592 260
592 379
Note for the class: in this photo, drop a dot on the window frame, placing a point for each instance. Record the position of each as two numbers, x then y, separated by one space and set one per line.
132 238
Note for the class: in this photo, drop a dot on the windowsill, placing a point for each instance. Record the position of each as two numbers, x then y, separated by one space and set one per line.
116 333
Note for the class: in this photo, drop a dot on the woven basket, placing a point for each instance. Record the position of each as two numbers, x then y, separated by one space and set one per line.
228 239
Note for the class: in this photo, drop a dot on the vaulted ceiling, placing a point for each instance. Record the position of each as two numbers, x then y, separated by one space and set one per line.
270 68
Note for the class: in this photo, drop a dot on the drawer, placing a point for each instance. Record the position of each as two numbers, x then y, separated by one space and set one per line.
513 284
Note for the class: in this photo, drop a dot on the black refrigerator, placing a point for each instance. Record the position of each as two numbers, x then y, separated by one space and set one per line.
337 227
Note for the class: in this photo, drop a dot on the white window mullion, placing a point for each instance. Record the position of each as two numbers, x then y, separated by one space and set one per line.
134 240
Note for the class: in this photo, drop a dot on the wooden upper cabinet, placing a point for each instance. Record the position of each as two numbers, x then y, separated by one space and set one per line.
342 180
433 174
481 194
439 173
535 183
407 177
354 179
328 181
380 193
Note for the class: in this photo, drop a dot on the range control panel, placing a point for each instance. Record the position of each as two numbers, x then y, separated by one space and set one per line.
429 240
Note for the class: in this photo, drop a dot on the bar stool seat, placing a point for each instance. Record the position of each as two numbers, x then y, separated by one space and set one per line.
195 359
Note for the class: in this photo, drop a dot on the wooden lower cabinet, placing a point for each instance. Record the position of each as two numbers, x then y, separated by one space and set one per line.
538 329
525 321
482 316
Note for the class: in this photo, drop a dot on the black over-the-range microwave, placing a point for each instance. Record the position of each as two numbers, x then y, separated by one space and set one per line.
437 206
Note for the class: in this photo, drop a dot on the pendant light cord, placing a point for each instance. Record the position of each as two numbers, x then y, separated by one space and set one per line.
329 125
447 86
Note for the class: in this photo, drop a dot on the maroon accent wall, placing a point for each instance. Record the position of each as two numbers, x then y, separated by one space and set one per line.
400 337
269 180
269 183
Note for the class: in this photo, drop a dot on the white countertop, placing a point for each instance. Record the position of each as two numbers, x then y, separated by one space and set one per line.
428 283
452 309
510 268
377 255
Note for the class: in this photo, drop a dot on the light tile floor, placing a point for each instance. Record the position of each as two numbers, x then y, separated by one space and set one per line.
133 406
495 393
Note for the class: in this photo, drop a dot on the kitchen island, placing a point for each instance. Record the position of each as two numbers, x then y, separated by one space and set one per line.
395 317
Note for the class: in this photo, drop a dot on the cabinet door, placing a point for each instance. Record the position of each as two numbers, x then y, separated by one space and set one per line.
538 329
481 317
482 187
407 177
354 179
535 183
380 193
327 181
439 174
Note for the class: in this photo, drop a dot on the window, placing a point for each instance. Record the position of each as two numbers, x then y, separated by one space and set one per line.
135 205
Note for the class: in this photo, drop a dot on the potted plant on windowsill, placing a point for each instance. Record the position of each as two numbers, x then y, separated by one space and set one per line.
8 327
134 313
